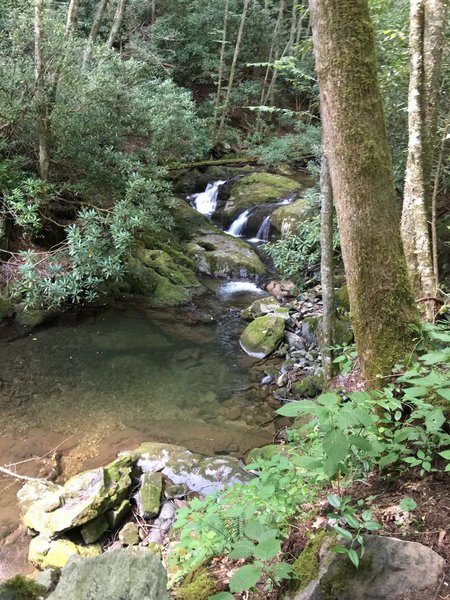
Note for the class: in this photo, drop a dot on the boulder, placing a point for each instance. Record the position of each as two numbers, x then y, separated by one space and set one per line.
45 553
262 336
258 188
129 534
81 499
390 569
128 573
94 530
265 306
220 255
287 218
148 497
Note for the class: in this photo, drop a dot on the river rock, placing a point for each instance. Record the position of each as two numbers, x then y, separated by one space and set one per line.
125 573
258 188
94 530
116 516
265 306
287 218
390 569
45 553
81 499
295 341
262 336
148 497
220 255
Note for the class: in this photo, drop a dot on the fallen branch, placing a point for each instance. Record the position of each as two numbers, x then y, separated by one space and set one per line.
9 473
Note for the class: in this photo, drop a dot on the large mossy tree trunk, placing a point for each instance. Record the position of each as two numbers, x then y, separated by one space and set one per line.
381 302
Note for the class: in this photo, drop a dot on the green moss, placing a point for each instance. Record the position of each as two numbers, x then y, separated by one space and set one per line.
307 565
198 585
6 308
21 588
335 582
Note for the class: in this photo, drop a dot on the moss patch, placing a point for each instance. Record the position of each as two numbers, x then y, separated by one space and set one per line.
21 588
198 585
307 565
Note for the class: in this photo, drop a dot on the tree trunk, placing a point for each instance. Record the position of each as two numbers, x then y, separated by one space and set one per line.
153 12
272 56
101 7
117 23
221 61
381 303
43 126
326 269
415 229
233 67
72 15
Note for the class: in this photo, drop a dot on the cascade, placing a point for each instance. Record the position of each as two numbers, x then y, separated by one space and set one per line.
238 225
263 231
206 202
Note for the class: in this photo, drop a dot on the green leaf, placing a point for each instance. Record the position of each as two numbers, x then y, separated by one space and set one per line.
445 454
255 530
444 392
416 392
242 549
434 420
388 460
339 549
244 578
334 500
282 570
329 399
360 397
372 525
335 445
268 549
343 532
360 442
351 520
293 409
353 556
407 504
222 596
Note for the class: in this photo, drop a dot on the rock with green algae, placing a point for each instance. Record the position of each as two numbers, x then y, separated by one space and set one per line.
131 573
148 498
92 531
45 553
265 306
310 386
21 588
342 298
197 585
81 499
258 188
129 534
343 333
116 516
266 452
287 218
220 255
262 336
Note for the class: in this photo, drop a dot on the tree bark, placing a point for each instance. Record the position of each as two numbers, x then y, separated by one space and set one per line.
221 60
72 15
356 146
99 13
233 67
43 124
272 55
415 228
117 23
326 269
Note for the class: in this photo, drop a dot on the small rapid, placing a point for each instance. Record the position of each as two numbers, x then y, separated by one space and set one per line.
206 202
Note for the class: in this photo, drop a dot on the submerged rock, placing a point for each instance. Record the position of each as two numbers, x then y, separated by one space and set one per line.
262 336
125 573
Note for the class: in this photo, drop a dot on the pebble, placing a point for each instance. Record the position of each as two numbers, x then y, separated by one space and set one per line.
266 380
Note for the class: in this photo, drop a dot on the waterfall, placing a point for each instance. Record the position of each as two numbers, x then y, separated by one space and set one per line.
206 202
237 227
263 231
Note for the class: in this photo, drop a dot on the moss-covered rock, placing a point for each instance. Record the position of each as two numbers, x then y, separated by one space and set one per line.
54 554
92 531
198 585
33 317
306 567
286 219
262 336
148 498
21 588
311 385
342 298
265 452
129 534
343 333
265 306
258 188
220 255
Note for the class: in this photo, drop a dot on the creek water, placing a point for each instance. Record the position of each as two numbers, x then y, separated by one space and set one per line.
96 382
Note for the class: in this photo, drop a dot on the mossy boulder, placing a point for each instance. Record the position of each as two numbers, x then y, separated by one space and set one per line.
342 298
343 333
265 306
262 336
45 553
220 255
148 498
306 567
186 220
258 188
310 386
286 219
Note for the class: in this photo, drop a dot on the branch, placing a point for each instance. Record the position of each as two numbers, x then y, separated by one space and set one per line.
9 473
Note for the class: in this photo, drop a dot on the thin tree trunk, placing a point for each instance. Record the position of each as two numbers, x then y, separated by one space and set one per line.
43 126
72 15
233 67
221 60
437 177
117 23
293 25
272 54
326 269
99 13
381 304
153 12
415 229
